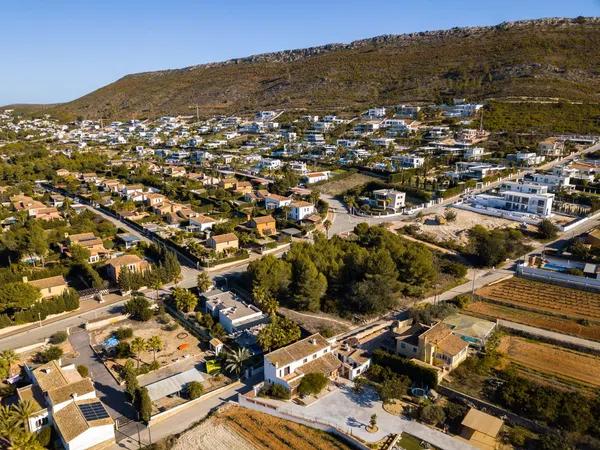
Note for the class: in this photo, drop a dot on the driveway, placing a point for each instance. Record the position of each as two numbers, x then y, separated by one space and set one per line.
351 413
109 391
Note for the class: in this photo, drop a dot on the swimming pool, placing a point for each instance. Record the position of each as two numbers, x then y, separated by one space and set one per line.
555 267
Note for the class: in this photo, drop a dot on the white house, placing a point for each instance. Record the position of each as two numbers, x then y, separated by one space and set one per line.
315 177
64 399
287 365
389 199
231 312
269 164
553 181
409 161
375 113
551 147
474 153
300 209
275 201
526 198
201 222
529 158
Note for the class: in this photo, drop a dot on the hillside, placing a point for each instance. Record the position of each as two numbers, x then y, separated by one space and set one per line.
541 58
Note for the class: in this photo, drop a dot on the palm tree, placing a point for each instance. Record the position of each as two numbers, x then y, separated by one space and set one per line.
156 285
204 282
235 360
22 412
11 358
155 344
327 225
7 420
24 441
137 346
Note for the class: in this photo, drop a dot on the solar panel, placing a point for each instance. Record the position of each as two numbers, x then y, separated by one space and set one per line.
93 411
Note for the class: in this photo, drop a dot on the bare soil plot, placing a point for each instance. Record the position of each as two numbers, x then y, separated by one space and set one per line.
458 229
544 297
551 360
335 187
539 320
323 323
244 429
178 344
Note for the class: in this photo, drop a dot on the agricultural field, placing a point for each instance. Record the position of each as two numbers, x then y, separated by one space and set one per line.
342 184
551 361
571 327
544 297
244 429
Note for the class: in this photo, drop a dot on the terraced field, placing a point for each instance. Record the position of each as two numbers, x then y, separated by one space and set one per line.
243 429
269 432
544 297
551 361
544 321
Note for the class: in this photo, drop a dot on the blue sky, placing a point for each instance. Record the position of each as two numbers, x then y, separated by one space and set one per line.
58 50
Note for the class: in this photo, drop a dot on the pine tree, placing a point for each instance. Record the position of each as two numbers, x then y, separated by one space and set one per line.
309 285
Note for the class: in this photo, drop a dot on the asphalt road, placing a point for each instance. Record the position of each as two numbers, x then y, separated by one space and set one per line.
108 389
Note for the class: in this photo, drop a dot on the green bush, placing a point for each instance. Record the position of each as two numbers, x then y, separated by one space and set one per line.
139 308
44 436
422 376
123 333
312 383
52 353
275 390
122 350
83 371
194 390
58 338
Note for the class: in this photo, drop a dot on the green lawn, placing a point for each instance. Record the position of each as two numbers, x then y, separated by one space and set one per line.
409 442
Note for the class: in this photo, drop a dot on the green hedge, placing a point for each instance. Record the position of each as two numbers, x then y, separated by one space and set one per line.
421 376
69 301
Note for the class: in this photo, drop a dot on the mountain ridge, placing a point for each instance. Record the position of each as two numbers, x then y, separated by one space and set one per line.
556 57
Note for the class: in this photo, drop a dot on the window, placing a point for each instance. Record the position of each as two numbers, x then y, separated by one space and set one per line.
41 422
403 345
315 356
305 360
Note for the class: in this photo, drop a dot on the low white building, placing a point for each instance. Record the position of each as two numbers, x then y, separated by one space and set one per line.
552 147
410 161
300 210
201 222
269 164
553 181
315 177
287 365
231 312
62 398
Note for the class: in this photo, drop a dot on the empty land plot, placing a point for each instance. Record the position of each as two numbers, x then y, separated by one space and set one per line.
344 182
551 360
538 320
243 429
544 297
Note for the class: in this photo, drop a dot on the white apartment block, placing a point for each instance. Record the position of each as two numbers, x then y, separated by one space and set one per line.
389 199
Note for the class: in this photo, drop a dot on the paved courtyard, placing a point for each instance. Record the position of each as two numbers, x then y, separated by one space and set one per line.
351 412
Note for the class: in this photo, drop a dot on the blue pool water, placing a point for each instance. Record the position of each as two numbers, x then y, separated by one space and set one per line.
555 267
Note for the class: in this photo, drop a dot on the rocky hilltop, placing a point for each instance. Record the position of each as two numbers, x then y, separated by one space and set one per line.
555 57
